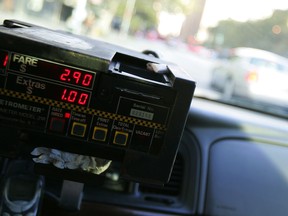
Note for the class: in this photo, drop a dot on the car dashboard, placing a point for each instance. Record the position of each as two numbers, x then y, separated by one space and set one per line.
231 161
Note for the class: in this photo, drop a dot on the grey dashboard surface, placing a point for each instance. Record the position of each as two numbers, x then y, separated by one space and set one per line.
247 178
243 161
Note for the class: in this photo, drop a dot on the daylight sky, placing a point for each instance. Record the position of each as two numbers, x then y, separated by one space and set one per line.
240 10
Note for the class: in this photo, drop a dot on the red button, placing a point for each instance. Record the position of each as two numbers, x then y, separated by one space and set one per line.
57 124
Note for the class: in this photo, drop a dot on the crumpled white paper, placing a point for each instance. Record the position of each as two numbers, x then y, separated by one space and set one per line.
62 160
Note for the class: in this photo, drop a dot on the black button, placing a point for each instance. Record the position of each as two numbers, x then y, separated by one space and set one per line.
120 138
99 134
78 129
142 138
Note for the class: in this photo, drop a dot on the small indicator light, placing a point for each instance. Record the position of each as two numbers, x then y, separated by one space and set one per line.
5 61
67 115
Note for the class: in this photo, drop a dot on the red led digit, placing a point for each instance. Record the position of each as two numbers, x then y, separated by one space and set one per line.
76 76
87 80
83 99
5 61
72 96
65 74
63 97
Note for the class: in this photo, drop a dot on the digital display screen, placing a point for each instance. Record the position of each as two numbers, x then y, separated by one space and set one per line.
74 96
46 89
141 114
34 66
3 59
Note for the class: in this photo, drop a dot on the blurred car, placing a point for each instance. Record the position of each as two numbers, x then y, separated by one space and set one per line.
252 73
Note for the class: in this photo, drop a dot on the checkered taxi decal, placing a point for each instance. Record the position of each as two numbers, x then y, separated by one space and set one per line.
86 110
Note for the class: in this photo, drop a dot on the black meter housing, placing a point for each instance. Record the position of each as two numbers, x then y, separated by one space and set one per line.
89 97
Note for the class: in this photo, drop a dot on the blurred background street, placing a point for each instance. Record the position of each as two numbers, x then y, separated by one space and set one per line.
188 33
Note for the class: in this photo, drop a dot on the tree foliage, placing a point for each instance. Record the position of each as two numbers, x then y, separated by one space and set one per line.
145 13
268 34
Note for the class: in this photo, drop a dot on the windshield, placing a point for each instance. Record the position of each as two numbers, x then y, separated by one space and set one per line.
236 51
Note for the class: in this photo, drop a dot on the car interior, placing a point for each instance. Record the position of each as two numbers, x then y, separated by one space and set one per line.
97 123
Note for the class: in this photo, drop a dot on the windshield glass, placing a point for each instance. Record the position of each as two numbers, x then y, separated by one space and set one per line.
236 51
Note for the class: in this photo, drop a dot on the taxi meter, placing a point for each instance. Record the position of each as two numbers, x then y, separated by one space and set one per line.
88 97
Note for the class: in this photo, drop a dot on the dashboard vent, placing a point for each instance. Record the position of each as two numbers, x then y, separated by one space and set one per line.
173 187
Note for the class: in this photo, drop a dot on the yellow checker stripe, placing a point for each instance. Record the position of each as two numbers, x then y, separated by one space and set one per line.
86 110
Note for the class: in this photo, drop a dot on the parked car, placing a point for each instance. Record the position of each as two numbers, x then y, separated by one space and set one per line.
252 73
